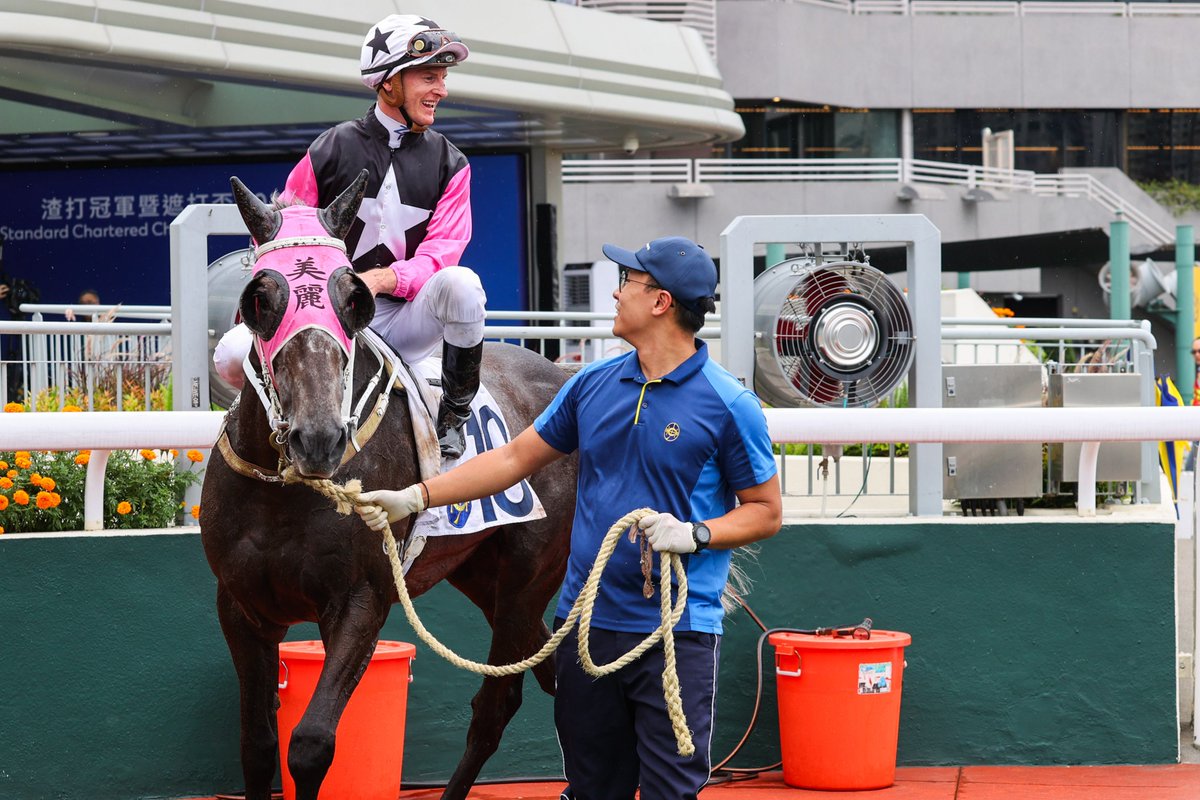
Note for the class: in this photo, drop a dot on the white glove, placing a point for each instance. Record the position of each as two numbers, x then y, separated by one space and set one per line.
386 506
667 534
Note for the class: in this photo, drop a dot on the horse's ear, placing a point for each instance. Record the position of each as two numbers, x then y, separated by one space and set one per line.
338 216
261 220
352 299
263 303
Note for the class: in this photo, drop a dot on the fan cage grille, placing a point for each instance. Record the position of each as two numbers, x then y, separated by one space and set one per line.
820 381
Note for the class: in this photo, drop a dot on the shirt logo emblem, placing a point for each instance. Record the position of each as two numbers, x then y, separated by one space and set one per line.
458 514
671 432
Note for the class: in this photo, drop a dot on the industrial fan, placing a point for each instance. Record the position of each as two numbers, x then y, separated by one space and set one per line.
836 334
227 276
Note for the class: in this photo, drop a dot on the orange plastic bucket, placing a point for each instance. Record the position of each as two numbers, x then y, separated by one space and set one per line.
369 750
839 708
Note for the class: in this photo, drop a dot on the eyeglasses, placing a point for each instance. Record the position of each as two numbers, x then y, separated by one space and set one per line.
426 42
623 278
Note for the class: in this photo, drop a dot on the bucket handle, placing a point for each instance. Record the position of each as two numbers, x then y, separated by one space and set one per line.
787 673
283 684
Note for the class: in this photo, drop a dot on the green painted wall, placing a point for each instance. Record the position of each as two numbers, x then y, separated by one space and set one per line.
1033 643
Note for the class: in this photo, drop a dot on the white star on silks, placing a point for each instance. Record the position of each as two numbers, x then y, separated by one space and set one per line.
387 219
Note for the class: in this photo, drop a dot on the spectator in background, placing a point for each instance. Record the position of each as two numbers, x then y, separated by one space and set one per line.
88 297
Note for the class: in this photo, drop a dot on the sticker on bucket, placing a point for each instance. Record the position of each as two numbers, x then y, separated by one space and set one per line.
875 678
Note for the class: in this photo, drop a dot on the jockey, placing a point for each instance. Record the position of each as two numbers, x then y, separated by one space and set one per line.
415 220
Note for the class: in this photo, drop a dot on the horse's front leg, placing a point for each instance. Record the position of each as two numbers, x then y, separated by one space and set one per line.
255 651
350 637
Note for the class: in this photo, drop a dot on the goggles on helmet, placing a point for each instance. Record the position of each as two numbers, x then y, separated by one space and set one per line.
430 41
424 45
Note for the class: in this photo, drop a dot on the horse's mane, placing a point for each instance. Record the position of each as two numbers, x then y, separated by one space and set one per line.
278 203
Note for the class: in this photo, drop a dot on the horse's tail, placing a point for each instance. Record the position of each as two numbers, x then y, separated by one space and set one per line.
739 583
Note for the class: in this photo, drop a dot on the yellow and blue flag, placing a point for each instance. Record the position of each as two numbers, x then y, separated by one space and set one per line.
1170 454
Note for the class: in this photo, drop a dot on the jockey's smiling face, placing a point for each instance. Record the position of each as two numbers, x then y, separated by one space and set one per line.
424 88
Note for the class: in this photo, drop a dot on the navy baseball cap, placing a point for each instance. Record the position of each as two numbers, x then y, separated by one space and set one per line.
677 264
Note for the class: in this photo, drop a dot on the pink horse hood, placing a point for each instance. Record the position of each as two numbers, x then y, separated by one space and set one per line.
306 268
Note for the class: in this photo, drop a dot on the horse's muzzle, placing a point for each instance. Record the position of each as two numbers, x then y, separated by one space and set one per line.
317 451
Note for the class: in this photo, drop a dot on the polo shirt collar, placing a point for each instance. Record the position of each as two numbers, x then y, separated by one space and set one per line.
632 371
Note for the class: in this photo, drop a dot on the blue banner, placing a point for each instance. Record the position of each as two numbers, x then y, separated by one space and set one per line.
106 228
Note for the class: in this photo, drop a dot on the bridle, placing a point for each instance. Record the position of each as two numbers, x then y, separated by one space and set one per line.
264 383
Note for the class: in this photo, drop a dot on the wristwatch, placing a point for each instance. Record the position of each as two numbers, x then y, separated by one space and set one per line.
701 535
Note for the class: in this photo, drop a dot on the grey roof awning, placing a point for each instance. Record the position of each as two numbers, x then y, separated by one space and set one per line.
100 80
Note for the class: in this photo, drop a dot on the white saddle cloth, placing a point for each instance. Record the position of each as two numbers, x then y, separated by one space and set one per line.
485 430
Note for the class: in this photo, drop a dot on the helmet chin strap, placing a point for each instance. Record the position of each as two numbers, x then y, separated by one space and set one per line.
395 99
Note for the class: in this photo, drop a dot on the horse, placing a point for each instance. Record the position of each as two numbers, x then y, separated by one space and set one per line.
282 554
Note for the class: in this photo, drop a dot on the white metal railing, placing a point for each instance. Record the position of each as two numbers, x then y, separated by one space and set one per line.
1076 184
700 15
969 175
1090 426
1006 8
709 170
671 170
58 360
736 170
102 433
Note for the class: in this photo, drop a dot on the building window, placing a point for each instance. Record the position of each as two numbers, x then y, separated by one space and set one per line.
1045 140
1163 144
780 129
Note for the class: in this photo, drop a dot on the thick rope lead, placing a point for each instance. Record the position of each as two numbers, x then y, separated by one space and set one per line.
347 496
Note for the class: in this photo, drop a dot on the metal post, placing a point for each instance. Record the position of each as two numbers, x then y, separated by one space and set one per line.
1185 311
189 305
1118 260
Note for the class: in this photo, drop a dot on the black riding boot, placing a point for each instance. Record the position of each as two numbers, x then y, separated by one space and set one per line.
460 382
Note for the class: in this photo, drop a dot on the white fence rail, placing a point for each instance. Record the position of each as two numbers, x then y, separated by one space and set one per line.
671 170
102 433
896 170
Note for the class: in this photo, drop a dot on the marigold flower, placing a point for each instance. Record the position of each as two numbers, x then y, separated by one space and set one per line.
6 483
174 452
123 507
13 408
195 512
3 502
21 454
72 408
35 479
83 458
3 465
21 497
12 473
149 455
24 463
1 529
44 501
194 455
55 499
48 484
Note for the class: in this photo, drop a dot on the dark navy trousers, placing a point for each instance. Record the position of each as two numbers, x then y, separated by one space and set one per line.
615 731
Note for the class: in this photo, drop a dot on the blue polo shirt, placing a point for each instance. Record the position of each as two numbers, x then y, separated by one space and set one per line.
682 445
